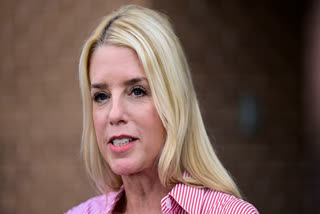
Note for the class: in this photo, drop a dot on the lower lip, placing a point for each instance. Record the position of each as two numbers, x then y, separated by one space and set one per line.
121 149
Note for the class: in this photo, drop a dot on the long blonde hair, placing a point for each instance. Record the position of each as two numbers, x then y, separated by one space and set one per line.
187 148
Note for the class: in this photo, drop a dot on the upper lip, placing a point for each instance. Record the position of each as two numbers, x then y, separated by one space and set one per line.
120 137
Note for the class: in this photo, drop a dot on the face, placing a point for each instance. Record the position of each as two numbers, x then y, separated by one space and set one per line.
129 132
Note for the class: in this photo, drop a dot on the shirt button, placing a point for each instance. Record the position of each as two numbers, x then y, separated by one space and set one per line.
168 203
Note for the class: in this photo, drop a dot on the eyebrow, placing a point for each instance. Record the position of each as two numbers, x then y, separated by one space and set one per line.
99 85
134 81
126 83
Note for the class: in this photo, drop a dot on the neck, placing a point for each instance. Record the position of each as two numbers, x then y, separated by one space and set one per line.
143 193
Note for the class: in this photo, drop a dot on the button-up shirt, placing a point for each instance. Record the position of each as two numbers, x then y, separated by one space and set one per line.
180 200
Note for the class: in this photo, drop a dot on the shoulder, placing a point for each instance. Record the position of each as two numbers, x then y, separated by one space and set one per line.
204 200
239 206
93 205
219 202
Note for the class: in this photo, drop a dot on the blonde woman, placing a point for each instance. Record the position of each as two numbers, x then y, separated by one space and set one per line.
144 142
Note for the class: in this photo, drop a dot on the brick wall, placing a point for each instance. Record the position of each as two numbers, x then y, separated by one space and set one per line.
237 52
249 51
40 166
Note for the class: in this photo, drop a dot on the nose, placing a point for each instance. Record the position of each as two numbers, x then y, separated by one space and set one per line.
117 112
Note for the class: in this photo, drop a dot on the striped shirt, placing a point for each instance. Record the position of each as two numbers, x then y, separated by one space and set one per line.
181 199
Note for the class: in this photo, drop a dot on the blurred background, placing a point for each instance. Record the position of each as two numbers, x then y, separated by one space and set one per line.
255 68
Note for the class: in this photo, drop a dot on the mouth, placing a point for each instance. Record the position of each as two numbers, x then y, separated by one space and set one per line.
121 140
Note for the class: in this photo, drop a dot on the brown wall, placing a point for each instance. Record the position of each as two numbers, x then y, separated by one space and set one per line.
237 52
250 50
41 170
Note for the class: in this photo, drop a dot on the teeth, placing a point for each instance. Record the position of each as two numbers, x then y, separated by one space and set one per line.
121 142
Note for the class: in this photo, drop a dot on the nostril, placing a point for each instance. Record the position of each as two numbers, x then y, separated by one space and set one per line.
114 123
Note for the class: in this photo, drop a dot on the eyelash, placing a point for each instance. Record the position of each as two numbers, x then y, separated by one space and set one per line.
97 97
140 89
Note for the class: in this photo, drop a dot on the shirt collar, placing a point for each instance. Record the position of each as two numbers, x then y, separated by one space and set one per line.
181 195
112 199
178 196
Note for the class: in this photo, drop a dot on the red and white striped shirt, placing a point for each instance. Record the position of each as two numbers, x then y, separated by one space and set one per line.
180 200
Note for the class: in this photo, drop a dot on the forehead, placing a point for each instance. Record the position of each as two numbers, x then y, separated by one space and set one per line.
109 61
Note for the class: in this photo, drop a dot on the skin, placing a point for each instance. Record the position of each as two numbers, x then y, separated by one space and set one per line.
122 105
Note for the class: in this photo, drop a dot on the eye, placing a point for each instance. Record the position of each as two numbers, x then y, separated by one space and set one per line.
100 97
138 91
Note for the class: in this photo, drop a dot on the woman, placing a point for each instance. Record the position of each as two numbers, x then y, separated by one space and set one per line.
144 142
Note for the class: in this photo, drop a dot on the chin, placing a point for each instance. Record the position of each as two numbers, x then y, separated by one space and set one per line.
124 168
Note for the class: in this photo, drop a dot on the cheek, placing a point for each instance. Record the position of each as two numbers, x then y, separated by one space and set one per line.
156 126
156 118
98 123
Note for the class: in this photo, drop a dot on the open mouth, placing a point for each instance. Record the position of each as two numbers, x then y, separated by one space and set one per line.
122 141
